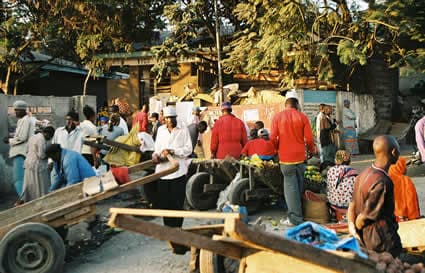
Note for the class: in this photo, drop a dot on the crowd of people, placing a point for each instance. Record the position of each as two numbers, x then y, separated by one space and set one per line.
375 199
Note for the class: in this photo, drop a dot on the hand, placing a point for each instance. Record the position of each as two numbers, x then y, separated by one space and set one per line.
50 166
18 202
155 158
352 230
6 140
164 153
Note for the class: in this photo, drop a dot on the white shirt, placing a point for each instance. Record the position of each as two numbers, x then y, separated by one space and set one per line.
72 141
123 125
318 118
179 141
146 141
349 119
87 129
24 130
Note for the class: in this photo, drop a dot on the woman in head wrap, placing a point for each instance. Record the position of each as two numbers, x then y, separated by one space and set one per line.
340 181
350 134
405 196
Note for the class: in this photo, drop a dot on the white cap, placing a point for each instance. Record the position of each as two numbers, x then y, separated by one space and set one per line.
169 111
263 132
291 94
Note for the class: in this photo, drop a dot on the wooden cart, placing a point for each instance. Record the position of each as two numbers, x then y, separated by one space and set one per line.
256 250
29 241
253 187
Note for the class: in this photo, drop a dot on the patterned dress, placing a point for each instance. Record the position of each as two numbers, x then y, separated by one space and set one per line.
340 182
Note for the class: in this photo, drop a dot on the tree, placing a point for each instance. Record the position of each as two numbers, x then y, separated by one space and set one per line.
304 37
76 30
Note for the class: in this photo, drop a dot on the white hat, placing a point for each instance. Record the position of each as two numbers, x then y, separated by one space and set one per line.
263 132
169 111
291 94
20 105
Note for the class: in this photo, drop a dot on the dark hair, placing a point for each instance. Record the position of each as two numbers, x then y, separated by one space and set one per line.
253 133
202 125
88 111
293 102
155 115
114 119
114 108
53 149
73 115
49 130
260 124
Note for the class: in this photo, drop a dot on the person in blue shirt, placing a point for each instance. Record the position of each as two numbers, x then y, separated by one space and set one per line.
71 167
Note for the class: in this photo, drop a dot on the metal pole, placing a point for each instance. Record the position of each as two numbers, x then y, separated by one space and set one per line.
217 38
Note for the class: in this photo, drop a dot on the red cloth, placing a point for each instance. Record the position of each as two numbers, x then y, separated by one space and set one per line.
228 137
142 119
259 146
405 196
290 132
121 174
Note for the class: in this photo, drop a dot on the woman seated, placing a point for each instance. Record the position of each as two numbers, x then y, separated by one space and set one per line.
405 196
260 146
340 181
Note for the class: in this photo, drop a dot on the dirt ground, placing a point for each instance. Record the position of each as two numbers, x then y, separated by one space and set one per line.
96 248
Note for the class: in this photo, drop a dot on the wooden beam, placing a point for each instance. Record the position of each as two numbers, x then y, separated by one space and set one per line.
177 236
175 213
270 242
412 233
140 167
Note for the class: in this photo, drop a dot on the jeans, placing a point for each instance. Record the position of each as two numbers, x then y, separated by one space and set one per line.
18 173
293 187
329 152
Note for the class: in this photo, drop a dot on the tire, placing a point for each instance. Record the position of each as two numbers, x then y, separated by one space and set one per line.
32 248
196 197
210 262
237 196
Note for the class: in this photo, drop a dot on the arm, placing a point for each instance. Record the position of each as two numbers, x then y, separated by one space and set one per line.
214 139
22 135
184 150
274 134
373 204
57 180
308 135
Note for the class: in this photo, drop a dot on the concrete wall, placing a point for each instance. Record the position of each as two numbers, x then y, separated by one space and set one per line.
51 108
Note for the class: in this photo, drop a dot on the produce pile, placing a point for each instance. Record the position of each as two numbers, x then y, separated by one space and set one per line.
256 161
313 180
386 263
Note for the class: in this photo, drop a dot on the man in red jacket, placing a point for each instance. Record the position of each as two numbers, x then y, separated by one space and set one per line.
228 135
290 133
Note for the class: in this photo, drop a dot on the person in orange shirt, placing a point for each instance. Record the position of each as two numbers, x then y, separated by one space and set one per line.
405 196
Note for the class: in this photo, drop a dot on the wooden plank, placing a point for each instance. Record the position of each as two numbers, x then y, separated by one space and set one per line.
122 145
412 233
140 167
174 213
272 262
71 206
42 204
236 229
176 235
62 221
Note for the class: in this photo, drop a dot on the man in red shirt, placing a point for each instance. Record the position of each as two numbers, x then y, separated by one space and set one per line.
141 118
290 133
261 146
228 135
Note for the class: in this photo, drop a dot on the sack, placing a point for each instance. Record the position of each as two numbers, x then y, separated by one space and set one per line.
315 209
120 157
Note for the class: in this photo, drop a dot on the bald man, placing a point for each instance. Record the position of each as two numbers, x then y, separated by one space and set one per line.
371 212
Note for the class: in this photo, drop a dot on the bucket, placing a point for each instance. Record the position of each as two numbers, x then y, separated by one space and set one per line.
315 207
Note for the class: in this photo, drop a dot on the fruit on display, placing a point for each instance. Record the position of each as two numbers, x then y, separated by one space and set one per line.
312 173
256 161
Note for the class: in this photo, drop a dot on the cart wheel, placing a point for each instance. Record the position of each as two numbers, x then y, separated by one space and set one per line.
32 248
237 196
196 197
210 262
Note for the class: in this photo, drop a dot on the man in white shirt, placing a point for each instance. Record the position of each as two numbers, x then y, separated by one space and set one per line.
114 109
88 128
175 141
69 136
18 143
